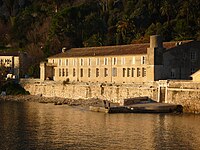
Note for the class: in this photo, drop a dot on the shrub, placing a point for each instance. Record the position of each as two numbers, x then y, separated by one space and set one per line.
13 88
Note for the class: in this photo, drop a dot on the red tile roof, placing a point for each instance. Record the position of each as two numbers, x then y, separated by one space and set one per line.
111 50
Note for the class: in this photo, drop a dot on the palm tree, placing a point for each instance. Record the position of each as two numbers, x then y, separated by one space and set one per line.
166 9
104 5
125 28
10 6
3 72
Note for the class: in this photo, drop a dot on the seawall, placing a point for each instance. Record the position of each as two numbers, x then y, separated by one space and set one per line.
186 93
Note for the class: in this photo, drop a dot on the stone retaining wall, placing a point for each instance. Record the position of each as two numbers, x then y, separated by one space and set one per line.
185 93
112 92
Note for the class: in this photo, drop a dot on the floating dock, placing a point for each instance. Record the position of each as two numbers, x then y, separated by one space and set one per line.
134 105
141 108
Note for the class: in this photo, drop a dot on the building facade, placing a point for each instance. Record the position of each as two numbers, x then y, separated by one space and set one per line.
13 61
124 63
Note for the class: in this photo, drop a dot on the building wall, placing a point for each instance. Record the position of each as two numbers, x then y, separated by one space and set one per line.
110 69
43 71
17 66
6 61
11 62
112 92
186 93
182 61
17 61
196 76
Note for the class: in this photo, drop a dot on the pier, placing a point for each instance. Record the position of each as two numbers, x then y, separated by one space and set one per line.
139 105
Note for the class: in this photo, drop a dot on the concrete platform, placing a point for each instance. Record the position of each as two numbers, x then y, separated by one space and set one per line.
141 108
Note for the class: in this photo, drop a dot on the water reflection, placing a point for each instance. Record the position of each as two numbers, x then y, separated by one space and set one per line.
45 126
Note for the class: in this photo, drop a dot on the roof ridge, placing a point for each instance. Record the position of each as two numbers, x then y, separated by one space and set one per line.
110 46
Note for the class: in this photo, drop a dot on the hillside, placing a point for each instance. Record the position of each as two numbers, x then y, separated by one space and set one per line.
43 27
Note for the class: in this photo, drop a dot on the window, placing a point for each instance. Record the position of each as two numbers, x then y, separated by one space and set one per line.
97 72
81 72
184 55
81 62
60 62
123 61
105 61
7 61
133 72
192 70
124 72
89 72
143 60
63 72
173 73
98 61
89 61
133 61
53 61
105 72
114 72
74 72
66 62
144 72
193 55
128 72
138 72
114 61
59 73
67 73
74 62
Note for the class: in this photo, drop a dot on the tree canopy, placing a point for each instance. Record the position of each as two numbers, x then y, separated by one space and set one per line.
43 27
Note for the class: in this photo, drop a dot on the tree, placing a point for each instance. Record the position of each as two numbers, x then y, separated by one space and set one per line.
11 8
125 30
3 73
167 9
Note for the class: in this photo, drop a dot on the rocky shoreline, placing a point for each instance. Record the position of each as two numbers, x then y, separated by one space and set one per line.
54 100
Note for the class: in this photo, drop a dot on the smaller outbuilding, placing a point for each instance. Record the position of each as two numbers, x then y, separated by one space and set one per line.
14 62
196 76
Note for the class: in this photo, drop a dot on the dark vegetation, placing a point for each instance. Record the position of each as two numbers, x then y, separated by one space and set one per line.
43 27
11 87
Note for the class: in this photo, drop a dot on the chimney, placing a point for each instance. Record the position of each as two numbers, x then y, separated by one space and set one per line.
155 58
156 41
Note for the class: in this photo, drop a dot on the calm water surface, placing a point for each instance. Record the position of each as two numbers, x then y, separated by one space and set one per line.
25 126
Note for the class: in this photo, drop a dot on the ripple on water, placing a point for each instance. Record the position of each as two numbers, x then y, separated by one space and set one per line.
46 126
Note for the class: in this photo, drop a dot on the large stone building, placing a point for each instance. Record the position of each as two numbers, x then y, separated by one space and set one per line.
125 63
14 62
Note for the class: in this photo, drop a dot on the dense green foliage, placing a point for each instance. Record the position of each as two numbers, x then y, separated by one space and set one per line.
13 88
10 86
43 27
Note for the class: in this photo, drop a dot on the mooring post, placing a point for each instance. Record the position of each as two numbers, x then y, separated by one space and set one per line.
108 104
104 103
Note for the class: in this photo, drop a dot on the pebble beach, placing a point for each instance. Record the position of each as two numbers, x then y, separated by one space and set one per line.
54 100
